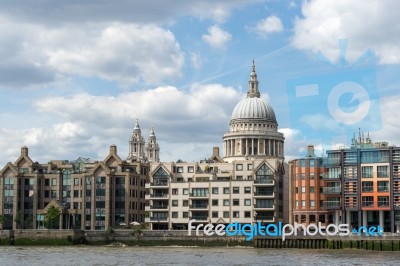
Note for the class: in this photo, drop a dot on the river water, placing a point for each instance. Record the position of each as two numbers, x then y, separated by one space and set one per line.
100 255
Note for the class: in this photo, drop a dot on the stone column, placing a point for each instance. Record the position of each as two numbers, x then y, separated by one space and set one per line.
252 146
269 147
364 218
246 147
381 219
231 151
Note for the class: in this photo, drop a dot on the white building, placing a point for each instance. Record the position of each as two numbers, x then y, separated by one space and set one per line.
246 185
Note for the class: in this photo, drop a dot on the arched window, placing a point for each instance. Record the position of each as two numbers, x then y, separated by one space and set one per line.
264 175
160 177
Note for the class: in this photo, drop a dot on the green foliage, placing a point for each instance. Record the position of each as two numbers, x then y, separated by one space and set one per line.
52 218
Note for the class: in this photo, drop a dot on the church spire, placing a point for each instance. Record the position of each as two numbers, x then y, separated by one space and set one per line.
253 83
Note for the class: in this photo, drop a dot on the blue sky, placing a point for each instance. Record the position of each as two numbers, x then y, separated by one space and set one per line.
74 75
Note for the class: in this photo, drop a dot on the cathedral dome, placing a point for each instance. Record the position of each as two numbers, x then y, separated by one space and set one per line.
253 108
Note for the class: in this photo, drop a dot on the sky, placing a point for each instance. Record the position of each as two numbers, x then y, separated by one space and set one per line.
75 75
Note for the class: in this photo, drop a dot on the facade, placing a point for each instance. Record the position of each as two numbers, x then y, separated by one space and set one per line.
359 186
246 185
91 195
308 190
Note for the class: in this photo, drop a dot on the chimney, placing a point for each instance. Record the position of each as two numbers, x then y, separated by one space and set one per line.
113 149
310 151
24 151
215 151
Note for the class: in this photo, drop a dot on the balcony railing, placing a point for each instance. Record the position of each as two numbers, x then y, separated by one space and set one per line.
383 203
264 206
199 206
331 190
198 195
159 195
330 161
159 219
332 204
200 218
368 204
158 206
263 193
383 188
264 181
159 184
367 189
328 175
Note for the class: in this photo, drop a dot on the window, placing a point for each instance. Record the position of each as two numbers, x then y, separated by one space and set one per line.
367 186
368 201
250 166
215 190
214 214
185 191
303 189
303 176
311 162
174 214
235 190
214 202
247 214
303 203
54 194
226 190
175 203
76 181
239 178
383 201
239 167
179 169
47 182
226 214
366 171
311 175
190 169
247 190
383 171
311 189
297 190
200 192
185 203
297 203
334 172
247 202
312 203
54 181
174 191
235 202
235 214
383 186
264 175
226 202
46 193
185 215
76 193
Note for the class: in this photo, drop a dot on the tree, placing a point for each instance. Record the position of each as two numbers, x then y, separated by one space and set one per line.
52 217
18 220
3 219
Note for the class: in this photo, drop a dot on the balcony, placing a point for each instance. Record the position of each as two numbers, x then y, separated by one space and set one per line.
159 195
159 184
332 204
331 161
200 218
264 181
159 219
383 203
194 195
367 189
383 188
328 175
198 206
264 206
158 207
368 203
331 190
261 194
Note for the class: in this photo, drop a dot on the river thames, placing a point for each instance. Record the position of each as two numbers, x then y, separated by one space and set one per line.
100 255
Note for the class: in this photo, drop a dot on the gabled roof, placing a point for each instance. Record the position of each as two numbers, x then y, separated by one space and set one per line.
11 167
160 165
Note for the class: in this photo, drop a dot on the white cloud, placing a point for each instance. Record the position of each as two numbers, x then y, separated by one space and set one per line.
217 37
365 24
196 60
267 26
124 53
85 125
